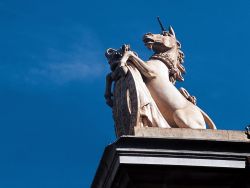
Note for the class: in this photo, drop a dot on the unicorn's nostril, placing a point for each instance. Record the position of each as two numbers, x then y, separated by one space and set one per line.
149 33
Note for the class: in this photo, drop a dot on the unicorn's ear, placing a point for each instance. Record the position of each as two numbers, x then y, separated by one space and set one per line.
178 44
171 31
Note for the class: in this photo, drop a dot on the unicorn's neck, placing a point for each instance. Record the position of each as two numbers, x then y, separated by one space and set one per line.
172 54
169 57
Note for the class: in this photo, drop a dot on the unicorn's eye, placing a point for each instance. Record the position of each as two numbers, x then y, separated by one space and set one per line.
165 33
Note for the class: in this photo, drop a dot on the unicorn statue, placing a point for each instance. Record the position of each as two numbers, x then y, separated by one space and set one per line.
143 93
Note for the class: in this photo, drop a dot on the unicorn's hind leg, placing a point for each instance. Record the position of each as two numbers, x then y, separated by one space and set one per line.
189 117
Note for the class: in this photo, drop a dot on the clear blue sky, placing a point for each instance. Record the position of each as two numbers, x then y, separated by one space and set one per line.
54 123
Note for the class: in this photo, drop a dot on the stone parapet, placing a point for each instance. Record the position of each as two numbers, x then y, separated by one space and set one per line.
156 158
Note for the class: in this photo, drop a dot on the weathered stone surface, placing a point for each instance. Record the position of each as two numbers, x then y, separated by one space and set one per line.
185 133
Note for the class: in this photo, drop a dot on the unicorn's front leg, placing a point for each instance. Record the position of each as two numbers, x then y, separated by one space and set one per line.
145 69
125 58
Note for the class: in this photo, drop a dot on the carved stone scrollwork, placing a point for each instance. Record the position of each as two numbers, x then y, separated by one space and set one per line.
248 131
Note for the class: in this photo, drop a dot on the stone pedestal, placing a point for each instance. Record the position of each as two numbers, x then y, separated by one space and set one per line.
171 158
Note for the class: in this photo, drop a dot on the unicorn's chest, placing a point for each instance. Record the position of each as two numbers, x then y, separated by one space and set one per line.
160 69
162 90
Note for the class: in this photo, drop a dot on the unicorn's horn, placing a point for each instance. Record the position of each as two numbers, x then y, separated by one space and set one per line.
162 28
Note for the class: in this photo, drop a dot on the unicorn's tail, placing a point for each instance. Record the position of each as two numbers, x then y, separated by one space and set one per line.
208 120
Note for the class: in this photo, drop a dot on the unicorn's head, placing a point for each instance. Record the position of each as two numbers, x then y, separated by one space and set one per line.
166 45
163 42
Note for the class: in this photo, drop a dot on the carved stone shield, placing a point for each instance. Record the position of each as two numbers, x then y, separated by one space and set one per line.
126 105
